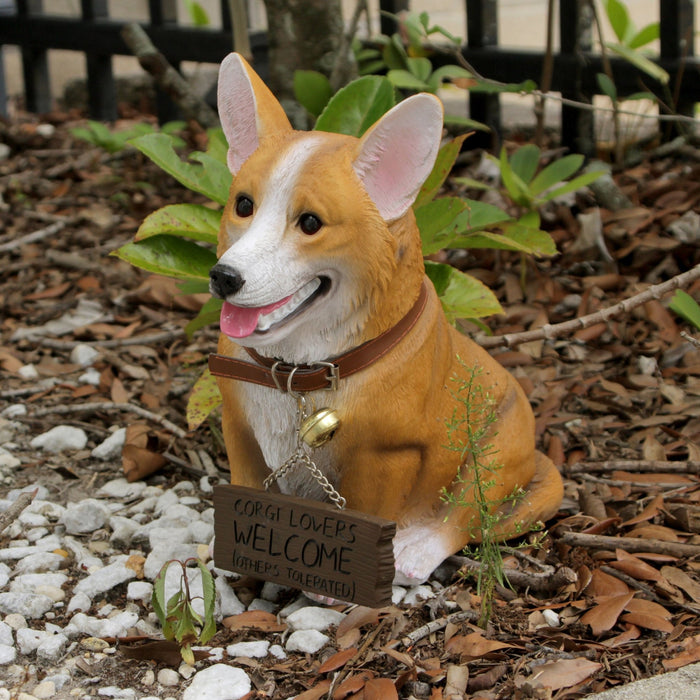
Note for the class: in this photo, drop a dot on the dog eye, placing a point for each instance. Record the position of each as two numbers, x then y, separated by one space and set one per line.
244 206
310 224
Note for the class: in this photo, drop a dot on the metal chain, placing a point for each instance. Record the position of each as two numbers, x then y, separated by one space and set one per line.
301 457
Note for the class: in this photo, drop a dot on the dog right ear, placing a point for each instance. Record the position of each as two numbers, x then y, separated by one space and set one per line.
249 112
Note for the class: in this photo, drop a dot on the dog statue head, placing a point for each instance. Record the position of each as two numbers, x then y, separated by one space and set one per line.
318 226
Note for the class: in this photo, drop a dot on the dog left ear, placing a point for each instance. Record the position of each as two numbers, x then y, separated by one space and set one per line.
398 153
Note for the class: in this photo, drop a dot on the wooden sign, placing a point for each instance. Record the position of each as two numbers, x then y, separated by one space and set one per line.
309 545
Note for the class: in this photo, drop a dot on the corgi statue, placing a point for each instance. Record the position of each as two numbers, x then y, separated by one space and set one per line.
326 303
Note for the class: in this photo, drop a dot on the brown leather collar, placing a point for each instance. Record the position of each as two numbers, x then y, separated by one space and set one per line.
319 375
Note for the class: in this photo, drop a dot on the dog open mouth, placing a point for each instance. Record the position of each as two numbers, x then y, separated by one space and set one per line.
243 321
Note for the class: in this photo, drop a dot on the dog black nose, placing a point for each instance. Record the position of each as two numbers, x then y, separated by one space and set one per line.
224 281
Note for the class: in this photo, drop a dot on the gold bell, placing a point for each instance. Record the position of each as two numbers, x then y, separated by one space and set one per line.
320 427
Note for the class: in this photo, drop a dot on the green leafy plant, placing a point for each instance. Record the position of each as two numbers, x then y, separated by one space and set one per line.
468 431
114 141
177 616
686 307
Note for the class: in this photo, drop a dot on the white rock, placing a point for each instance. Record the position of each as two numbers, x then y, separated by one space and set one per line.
168 677
139 590
122 489
56 594
46 130
5 572
123 530
251 650
277 651
28 640
106 578
417 594
551 618
58 679
5 633
44 690
14 410
116 626
273 591
91 376
218 682
31 519
166 501
42 493
200 531
61 438
165 552
28 372
230 604
52 649
87 311
81 602
398 593
7 654
113 692
314 618
111 448
83 355
85 516
8 460
306 641
29 605
264 605
40 561
31 582
16 621
36 533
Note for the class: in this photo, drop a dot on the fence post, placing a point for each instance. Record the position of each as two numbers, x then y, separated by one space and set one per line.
35 66
677 22
577 125
482 32
102 97
163 13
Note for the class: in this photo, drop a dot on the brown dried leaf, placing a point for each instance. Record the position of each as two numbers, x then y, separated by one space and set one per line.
319 691
473 645
564 673
650 622
380 689
604 585
652 509
630 634
118 392
647 607
654 532
337 660
633 566
399 656
683 581
50 292
603 616
652 449
353 684
689 656
256 620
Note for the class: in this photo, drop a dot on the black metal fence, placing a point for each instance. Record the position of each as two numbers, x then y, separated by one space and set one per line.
574 65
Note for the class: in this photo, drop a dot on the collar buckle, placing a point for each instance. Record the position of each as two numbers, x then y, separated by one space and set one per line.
333 376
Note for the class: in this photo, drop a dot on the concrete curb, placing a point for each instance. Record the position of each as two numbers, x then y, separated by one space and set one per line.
683 684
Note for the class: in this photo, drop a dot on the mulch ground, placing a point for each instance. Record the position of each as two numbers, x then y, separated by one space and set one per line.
610 593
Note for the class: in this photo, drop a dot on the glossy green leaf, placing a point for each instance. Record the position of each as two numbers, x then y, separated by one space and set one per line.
394 54
573 185
208 176
405 80
457 120
517 189
208 315
473 184
644 36
438 223
517 238
170 256
209 596
653 70
492 88
607 86
480 215
193 221
158 595
686 307
446 157
204 398
525 160
557 171
312 90
461 295
420 67
619 19
197 13
357 106
217 146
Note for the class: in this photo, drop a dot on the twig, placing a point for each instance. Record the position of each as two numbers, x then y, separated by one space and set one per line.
161 337
14 511
636 484
34 236
542 582
341 69
549 331
168 79
690 339
640 466
629 544
109 407
435 626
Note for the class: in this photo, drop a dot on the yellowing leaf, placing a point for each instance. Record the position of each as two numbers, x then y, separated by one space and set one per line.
205 397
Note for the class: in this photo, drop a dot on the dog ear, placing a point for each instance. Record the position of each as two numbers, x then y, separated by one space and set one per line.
398 152
249 112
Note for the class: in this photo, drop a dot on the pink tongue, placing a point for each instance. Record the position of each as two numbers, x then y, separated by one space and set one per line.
241 321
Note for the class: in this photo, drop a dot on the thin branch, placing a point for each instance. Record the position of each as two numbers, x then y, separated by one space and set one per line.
435 626
14 511
630 465
161 337
549 332
635 484
629 544
34 236
109 407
